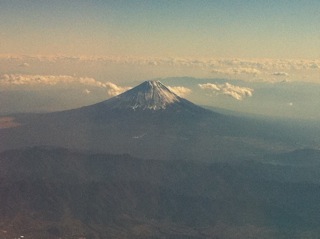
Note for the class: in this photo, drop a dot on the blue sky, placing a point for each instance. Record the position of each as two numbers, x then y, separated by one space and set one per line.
253 56
251 28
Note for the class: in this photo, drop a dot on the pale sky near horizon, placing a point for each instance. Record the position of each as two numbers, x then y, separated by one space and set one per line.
206 28
255 56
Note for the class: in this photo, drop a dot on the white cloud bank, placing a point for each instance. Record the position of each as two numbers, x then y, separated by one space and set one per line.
20 80
245 69
236 92
235 65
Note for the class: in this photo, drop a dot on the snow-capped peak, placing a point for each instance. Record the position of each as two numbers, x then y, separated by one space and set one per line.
151 95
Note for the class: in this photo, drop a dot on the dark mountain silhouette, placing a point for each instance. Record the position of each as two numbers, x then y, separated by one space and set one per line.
58 193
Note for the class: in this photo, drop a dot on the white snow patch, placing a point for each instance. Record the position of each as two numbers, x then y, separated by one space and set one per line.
150 95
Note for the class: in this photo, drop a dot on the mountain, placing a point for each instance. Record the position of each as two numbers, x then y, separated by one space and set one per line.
56 193
150 95
148 121
149 164
150 99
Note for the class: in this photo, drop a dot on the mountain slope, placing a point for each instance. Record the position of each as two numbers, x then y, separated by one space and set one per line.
147 99
150 95
147 121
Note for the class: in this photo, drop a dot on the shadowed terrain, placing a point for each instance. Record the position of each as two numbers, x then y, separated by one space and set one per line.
58 193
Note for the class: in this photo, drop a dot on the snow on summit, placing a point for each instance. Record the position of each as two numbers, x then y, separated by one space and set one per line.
151 95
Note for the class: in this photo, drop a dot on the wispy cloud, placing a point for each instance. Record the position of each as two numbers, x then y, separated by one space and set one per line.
86 91
281 73
20 80
248 71
245 66
180 90
236 92
237 71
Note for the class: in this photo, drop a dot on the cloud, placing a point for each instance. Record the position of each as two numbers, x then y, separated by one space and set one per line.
280 73
239 65
114 90
51 80
180 90
248 71
245 69
236 92
219 71
209 86
86 91
237 71
20 80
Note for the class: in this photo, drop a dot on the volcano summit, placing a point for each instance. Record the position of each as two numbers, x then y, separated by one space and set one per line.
151 95
148 96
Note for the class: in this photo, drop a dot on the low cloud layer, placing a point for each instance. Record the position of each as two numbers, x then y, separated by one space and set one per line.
245 69
237 71
237 65
19 80
236 92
